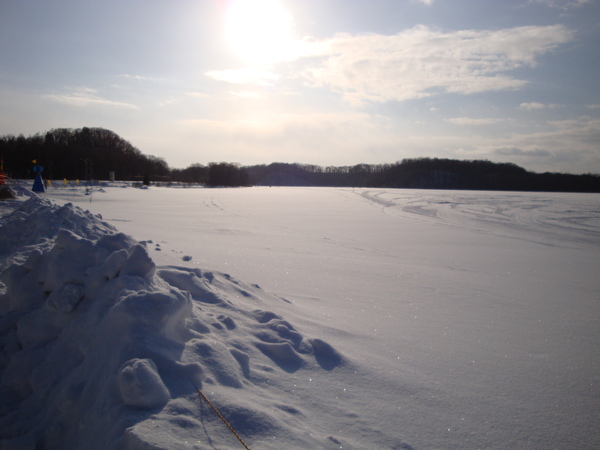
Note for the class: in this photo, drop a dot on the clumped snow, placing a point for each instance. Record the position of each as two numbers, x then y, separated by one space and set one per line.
366 318
101 349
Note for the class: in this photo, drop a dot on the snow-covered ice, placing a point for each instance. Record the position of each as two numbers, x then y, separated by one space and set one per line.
311 317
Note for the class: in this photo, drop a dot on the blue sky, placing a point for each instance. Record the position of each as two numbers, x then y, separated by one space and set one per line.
328 82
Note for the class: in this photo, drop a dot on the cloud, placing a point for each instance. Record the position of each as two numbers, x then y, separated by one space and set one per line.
474 121
245 94
182 98
531 106
426 2
578 125
133 77
562 4
536 105
594 106
312 137
195 94
514 151
571 144
276 123
261 136
422 62
244 76
84 97
169 101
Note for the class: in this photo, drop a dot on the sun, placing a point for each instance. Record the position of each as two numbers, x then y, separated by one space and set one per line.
260 31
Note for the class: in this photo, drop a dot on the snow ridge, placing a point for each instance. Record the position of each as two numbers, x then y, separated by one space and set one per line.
100 349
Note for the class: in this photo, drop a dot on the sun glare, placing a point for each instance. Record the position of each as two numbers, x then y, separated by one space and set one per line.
260 31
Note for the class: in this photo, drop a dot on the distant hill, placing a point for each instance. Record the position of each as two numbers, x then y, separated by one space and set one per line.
95 152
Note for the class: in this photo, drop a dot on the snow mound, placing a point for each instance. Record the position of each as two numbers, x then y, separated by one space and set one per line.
100 349
34 222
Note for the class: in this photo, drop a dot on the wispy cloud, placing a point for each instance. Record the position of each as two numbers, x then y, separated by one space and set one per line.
572 142
532 106
84 97
304 137
422 62
133 77
562 4
514 151
474 121
279 122
187 96
195 94
169 101
578 125
244 76
245 94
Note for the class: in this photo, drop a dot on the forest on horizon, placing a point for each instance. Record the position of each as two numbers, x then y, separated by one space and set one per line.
93 153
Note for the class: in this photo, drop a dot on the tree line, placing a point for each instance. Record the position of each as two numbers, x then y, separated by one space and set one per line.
95 152
78 154
424 173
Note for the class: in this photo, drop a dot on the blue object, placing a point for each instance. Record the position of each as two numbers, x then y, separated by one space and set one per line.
38 184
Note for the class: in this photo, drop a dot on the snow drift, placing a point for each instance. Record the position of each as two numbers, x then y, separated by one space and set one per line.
102 349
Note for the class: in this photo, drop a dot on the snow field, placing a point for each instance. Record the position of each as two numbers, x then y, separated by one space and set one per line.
367 318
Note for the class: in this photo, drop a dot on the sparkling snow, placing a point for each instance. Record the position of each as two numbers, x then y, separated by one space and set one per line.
311 317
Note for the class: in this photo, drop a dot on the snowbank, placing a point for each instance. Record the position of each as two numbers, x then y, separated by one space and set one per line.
102 349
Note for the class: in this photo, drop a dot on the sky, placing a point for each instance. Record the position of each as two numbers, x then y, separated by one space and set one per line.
326 82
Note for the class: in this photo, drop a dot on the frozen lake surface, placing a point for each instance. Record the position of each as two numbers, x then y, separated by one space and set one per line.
465 319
